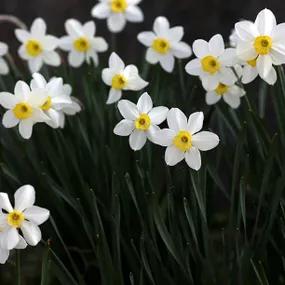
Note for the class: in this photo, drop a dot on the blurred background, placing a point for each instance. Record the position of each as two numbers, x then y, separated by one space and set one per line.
200 18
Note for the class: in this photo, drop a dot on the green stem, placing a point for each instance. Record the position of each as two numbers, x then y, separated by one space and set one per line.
18 267
181 78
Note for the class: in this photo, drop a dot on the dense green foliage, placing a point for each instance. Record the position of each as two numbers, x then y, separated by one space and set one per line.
124 217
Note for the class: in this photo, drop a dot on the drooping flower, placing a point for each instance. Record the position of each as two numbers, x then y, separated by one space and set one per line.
140 121
263 42
164 44
24 108
184 140
56 99
213 63
24 216
81 43
117 13
4 68
37 47
121 77
231 95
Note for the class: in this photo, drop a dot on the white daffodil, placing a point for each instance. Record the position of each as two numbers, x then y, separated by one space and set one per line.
230 94
264 42
121 77
37 47
164 44
213 63
24 108
117 13
56 98
24 216
81 43
140 121
4 68
184 140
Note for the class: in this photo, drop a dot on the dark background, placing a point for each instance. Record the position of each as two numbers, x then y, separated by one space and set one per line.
200 18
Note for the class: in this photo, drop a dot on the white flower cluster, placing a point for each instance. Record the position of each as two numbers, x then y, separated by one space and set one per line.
19 225
41 102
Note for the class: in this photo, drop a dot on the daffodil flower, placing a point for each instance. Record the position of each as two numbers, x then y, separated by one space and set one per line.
262 42
37 47
140 121
120 78
24 108
164 44
81 43
117 13
184 140
213 63
4 68
23 216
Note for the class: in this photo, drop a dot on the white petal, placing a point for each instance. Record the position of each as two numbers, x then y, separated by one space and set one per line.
232 99
101 11
8 100
164 137
3 48
161 26
99 44
66 43
35 64
144 104
151 56
26 128
55 118
116 22
9 120
74 28
52 58
217 45
173 155
22 90
195 122
50 43
158 115
9 238
21 244
175 34
278 33
151 132
134 14
248 74
167 62
5 202
201 48
212 98
124 128
135 82
246 31
271 77
265 22
24 197
146 38
89 28
128 110
115 62
107 76
4 254
114 96
246 51
76 59
4 68
193 158
264 65
137 140
227 76
32 233
176 120
22 35
38 81
36 215
194 67
210 82
278 53
229 57
181 50
205 140
38 28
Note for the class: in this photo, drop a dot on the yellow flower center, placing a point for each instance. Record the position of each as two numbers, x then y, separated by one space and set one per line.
81 44
15 219
23 111
161 45
47 104
119 82
183 141
143 122
119 6
252 62
34 48
210 64
222 89
263 45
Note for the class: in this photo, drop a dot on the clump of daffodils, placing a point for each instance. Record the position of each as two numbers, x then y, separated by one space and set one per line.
19 224
41 102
